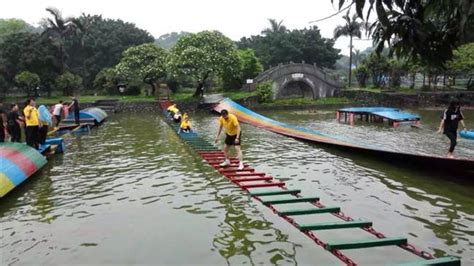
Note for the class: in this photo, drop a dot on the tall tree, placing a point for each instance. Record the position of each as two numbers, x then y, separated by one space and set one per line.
275 27
352 28
146 62
202 55
101 44
58 28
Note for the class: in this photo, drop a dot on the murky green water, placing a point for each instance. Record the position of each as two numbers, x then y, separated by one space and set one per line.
131 192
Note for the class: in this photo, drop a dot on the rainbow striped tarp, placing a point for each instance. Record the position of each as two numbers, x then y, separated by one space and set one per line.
247 116
18 161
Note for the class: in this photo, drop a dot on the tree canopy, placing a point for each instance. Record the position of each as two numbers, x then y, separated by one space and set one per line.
146 62
429 30
202 55
278 45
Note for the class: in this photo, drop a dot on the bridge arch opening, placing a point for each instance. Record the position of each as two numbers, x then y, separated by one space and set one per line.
296 89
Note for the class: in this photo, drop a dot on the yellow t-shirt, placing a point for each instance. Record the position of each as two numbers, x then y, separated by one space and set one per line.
230 125
185 124
33 119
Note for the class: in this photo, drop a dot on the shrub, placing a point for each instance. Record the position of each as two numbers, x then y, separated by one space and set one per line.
265 92
69 83
362 74
27 81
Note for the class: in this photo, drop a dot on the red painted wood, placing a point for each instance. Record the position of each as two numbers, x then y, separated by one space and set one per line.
277 184
264 178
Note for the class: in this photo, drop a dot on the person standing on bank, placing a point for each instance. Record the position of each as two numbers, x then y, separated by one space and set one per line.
449 124
32 124
14 124
233 133
58 108
3 123
75 107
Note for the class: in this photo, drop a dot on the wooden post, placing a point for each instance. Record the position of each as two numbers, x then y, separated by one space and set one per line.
338 116
351 119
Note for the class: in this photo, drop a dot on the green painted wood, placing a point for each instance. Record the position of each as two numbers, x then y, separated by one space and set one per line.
444 261
367 243
310 211
293 200
334 225
275 192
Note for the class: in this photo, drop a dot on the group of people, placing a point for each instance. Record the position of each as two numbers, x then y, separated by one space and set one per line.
227 122
35 121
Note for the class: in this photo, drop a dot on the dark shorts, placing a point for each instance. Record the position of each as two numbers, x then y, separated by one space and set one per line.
230 140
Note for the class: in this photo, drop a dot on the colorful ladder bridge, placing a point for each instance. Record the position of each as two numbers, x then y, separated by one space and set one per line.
17 163
261 187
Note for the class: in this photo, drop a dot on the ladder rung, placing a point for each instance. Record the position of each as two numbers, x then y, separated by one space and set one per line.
367 243
444 261
232 174
235 170
263 178
275 184
275 192
334 225
292 200
310 211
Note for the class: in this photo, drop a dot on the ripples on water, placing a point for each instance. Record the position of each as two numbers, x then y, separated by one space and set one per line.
131 192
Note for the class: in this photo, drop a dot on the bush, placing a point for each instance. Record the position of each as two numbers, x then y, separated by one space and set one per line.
27 81
69 83
362 74
265 92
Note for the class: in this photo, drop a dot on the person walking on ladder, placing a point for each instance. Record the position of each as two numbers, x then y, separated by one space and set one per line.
233 133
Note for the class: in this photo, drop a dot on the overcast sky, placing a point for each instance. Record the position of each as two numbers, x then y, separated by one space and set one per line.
233 18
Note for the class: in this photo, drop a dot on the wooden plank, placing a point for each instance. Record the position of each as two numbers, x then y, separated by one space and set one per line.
263 178
366 243
276 184
334 225
275 192
230 175
291 200
310 211
444 261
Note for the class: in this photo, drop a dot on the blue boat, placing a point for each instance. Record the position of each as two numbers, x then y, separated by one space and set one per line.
467 134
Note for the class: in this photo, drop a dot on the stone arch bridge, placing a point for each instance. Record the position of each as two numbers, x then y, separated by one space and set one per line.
299 80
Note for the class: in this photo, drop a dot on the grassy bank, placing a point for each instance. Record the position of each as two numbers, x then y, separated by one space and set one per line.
305 101
234 95
85 99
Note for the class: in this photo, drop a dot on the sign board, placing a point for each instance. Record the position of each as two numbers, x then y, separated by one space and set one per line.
297 75
249 81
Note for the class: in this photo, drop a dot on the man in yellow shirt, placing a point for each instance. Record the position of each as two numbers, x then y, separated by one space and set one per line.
185 125
32 124
233 132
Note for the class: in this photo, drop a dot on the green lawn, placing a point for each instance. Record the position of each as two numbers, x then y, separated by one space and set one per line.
86 99
306 101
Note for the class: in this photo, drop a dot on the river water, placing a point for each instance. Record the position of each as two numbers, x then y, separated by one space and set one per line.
131 192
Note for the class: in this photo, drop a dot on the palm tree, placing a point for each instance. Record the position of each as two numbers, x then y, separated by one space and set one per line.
275 27
58 29
351 28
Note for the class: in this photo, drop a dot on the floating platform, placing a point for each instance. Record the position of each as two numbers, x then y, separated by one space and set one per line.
17 163
394 116
260 186
419 160
92 115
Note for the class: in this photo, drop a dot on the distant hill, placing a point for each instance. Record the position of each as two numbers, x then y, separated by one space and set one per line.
167 41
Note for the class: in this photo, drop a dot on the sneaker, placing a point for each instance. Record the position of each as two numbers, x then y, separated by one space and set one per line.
241 166
226 162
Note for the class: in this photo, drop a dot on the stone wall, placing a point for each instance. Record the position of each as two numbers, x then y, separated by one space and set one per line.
420 99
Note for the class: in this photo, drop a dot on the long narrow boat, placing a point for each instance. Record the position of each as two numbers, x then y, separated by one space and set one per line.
257 184
419 160
93 115
18 162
